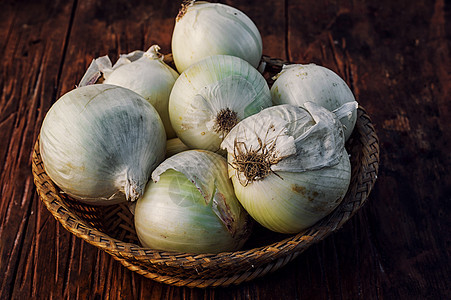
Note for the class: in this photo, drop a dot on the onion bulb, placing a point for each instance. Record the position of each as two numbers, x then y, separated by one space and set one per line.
191 206
174 146
288 165
99 143
297 84
204 29
212 96
142 72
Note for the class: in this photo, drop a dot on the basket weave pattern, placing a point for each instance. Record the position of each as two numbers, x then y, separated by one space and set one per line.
111 228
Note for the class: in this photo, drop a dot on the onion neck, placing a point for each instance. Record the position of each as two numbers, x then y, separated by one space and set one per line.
153 52
133 190
184 9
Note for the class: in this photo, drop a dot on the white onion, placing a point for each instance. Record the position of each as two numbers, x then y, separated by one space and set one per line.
191 206
142 72
174 146
211 96
297 84
99 143
204 29
288 165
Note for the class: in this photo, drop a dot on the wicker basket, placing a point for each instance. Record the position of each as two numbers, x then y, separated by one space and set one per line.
111 228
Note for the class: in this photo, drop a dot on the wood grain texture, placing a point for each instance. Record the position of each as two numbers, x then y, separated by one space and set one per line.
395 55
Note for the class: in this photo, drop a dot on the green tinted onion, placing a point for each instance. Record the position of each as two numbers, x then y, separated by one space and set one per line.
288 165
191 206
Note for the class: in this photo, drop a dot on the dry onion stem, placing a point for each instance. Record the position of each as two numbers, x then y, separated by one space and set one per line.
184 8
255 164
225 121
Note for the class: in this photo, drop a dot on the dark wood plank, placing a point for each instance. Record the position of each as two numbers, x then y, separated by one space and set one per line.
32 47
396 75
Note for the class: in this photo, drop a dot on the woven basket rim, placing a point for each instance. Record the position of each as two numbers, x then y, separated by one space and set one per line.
169 267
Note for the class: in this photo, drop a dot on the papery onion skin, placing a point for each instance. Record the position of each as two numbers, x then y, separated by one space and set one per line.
298 83
100 143
151 78
191 207
204 29
216 83
309 170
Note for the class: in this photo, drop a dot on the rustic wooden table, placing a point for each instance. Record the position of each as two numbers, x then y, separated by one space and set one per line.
395 55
